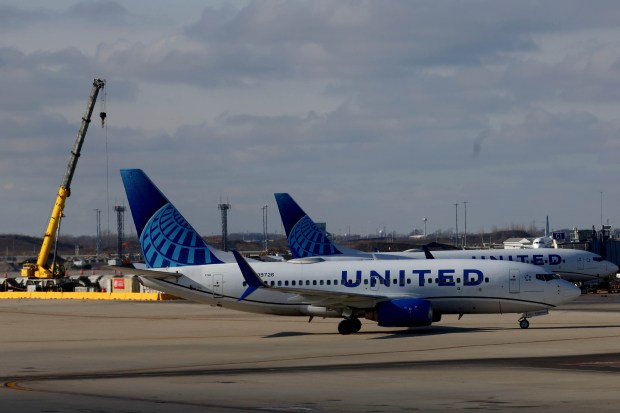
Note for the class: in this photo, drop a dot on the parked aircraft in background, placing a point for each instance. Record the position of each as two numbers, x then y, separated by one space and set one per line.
545 241
395 293
305 239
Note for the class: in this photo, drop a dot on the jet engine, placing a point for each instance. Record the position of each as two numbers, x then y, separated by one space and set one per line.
403 312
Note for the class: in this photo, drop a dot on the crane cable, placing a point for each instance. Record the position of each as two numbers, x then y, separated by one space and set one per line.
103 116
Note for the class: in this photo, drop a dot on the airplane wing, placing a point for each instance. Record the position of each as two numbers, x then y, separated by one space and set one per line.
331 298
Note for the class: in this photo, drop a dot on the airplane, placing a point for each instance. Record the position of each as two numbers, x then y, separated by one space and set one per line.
305 239
546 241
395 293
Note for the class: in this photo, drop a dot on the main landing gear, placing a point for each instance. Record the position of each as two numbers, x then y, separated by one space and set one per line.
349 326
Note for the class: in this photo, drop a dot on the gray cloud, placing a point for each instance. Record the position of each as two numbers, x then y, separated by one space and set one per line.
368 112
99 10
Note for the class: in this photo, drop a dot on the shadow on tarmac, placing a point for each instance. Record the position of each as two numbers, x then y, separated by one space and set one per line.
416 331
433 331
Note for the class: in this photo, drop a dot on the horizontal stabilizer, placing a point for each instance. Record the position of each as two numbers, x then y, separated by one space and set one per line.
146 273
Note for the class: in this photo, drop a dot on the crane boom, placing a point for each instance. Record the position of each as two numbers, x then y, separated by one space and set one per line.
41 268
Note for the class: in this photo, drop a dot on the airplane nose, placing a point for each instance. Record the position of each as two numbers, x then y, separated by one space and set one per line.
612 268
566 292
570 291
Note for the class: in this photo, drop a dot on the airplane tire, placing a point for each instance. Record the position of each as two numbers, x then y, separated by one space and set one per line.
349 326
524 324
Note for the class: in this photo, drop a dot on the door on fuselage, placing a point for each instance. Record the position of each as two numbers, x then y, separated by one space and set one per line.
514 282
215 282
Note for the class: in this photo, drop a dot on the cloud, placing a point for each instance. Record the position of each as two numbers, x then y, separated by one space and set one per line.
12 17
99 10
369 111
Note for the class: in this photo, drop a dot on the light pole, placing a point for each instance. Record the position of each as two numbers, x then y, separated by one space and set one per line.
601 209
465 238
424 219
456 236
265 240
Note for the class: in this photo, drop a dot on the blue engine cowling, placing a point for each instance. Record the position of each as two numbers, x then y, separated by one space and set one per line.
404 312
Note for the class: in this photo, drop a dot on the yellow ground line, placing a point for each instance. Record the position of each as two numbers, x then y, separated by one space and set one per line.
14 385
53 295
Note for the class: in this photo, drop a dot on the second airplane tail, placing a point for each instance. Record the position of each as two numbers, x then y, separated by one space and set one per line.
305 239
166 238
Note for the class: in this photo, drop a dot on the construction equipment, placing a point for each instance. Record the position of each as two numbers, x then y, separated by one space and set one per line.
42 269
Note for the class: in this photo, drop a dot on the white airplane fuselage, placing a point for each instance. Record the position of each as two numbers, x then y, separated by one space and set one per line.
573 265
453 286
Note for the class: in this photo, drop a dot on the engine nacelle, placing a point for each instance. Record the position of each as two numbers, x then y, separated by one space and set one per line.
404 312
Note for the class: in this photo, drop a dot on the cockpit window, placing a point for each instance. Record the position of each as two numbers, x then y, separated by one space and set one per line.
547 277
597 259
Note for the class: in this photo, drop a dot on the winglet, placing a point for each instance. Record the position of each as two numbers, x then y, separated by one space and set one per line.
427 253
249 275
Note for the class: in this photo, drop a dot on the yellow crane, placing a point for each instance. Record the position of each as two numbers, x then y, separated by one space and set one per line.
42 269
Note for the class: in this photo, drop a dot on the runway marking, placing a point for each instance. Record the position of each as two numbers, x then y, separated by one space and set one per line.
14 385
562 362
537 363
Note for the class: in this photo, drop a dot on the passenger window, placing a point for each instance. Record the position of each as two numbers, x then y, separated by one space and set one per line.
335 282
320 282
329 282
245 284
486 280
313 282
430 280
293 282
273 283
408 280
366 281
307 282
279 283
286 283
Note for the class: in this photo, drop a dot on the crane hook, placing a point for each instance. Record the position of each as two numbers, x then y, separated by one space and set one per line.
102 115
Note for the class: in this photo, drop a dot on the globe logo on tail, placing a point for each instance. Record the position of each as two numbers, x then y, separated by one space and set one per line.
169 241
307 240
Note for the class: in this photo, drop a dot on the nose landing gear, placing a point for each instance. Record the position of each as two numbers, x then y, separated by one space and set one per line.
523 323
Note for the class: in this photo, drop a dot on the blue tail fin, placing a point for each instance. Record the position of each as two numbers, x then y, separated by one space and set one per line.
166 238
305 239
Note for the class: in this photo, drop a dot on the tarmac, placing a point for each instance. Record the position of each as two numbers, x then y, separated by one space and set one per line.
176 356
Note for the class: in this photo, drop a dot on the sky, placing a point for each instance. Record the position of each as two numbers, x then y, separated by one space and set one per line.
372 115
